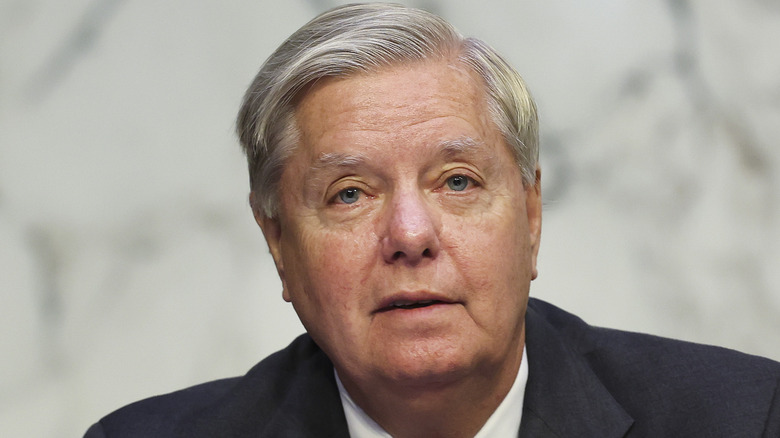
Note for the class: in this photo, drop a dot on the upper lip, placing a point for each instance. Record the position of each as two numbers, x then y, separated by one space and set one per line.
412 298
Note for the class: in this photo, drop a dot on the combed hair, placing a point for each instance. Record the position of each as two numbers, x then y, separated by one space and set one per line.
360 38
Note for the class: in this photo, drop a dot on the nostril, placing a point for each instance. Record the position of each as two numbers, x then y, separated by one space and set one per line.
397 255
427 252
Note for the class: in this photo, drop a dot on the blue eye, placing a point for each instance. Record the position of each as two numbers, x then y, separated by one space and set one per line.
458 183
350 195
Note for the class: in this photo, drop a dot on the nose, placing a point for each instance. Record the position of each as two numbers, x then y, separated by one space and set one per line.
412 230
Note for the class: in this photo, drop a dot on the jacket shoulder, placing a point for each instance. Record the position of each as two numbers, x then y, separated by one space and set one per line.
644 350
155 416
272 397
671 385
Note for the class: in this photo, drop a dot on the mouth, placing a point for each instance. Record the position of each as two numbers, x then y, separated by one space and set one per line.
408 301
410 304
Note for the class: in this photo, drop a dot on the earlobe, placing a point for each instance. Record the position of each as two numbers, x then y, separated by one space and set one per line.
285 293
534 209
272 231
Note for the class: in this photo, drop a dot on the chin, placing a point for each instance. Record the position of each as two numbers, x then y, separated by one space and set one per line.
427 364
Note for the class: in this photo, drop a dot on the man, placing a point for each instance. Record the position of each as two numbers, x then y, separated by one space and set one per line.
393 171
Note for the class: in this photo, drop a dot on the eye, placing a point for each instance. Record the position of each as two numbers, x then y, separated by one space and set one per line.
458 183
349 195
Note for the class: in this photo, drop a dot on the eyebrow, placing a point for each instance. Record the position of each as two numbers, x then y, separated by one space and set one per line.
471 149
327 163
458 146
337 159
447 148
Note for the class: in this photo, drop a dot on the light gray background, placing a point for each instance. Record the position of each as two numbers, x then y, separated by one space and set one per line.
129 261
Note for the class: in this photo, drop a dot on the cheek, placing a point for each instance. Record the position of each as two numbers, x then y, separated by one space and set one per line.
491 252
331 265
330 288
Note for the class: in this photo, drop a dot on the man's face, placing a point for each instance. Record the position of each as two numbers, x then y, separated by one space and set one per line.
406 240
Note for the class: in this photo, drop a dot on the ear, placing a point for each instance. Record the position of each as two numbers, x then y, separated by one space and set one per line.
533 207
272 231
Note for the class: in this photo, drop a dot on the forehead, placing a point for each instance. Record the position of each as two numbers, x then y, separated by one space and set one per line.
398 104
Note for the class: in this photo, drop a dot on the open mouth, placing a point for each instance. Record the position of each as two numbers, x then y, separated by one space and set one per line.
407 305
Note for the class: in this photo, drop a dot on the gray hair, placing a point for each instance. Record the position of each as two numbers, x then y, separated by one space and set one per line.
360 38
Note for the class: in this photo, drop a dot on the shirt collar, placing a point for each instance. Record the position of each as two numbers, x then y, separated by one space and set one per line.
503 423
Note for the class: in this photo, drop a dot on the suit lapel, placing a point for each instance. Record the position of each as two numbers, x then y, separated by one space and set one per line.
563 397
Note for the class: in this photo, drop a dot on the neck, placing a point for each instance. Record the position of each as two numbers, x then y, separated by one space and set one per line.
453 409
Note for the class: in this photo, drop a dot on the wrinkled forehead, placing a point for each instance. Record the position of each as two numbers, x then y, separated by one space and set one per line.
449 59
411 84
395 98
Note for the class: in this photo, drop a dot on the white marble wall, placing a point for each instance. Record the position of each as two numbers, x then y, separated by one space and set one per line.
129 261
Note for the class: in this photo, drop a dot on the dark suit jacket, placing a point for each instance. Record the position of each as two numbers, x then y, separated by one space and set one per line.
583 382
